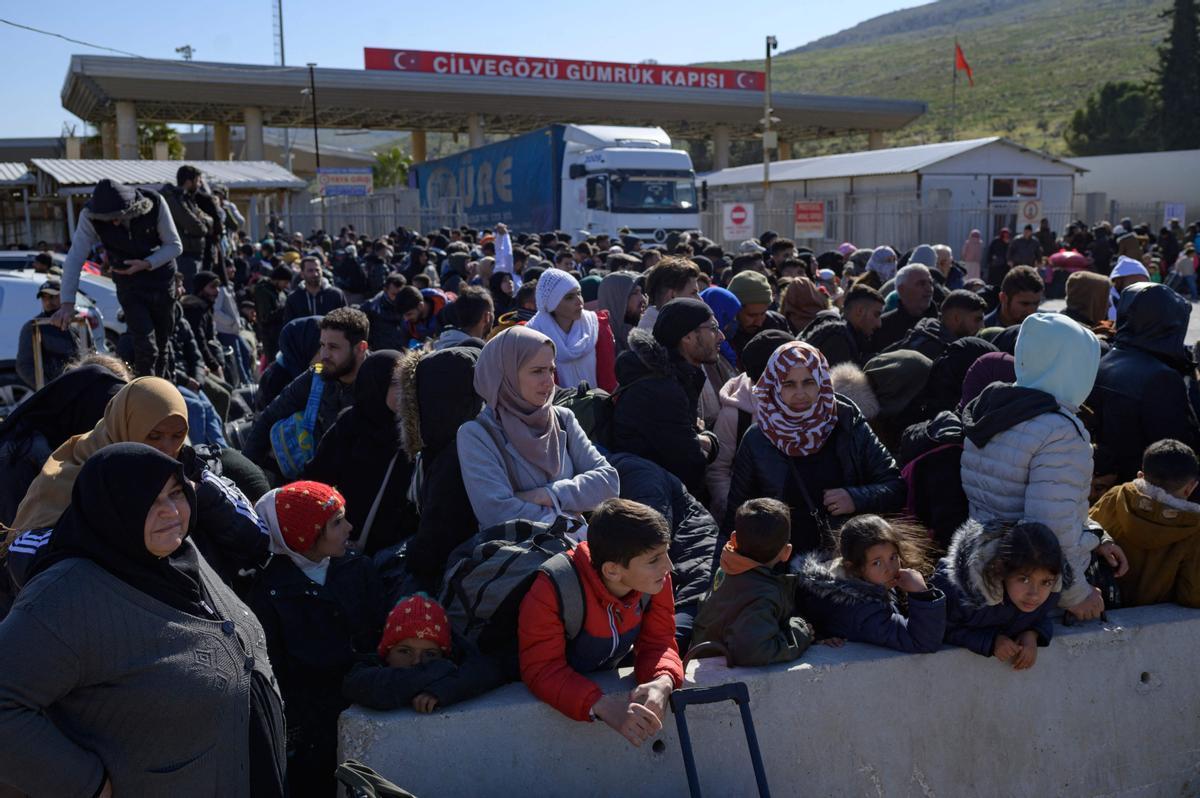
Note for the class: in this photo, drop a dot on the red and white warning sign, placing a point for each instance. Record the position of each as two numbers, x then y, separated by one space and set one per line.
738 220
809 219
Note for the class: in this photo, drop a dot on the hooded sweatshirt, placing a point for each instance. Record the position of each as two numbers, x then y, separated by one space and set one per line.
737 397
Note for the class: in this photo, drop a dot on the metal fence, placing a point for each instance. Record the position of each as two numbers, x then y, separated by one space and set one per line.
372 216
1097 207
899 219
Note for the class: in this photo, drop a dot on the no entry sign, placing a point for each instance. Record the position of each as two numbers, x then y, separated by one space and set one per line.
516 66
738 220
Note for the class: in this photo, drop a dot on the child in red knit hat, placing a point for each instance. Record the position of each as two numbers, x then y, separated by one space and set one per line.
321 608
420 663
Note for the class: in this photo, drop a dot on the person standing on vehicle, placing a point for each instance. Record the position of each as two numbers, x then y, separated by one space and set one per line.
193 224
59 347
141 244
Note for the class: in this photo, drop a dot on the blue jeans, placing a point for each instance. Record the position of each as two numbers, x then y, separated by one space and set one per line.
1189 282
204 425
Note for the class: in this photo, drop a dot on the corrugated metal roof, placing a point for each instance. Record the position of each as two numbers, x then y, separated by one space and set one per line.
15 174
896 161
234 175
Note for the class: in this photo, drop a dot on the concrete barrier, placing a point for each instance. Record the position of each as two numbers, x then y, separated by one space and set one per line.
1109 709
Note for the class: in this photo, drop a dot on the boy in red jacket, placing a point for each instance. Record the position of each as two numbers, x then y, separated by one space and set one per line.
624 558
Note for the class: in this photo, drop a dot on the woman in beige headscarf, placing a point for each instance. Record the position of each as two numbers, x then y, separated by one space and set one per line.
148 410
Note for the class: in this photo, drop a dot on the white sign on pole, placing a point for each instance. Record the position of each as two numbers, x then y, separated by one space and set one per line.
1173 210
738 220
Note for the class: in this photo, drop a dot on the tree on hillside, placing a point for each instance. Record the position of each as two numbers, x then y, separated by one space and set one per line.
391 168
1119 118
1179 78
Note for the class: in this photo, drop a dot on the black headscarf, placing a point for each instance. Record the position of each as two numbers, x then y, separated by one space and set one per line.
370 394
106 521
944 389
68 405
299 341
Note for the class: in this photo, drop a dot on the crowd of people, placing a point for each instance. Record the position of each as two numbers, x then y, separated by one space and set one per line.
402 471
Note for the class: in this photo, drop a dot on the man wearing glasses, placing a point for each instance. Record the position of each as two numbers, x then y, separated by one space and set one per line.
661 376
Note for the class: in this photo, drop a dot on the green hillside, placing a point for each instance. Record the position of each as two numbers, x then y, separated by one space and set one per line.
1034 62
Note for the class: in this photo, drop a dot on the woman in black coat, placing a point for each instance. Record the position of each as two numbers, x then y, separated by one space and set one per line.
812 450
437 396
361 456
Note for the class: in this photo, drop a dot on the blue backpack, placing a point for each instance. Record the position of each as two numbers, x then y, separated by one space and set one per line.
292 440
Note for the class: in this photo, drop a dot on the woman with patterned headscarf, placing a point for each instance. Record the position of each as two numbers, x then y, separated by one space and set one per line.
811 449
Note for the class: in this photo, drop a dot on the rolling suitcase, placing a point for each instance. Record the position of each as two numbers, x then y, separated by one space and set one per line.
740 695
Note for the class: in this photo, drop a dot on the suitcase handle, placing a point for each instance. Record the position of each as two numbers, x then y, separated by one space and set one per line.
731 691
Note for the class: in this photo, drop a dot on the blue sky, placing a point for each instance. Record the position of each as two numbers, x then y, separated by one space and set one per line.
333 34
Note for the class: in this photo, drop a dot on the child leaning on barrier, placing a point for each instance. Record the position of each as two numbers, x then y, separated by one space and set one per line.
1157 527
874 592
625 575
751 609
1001 583
420 663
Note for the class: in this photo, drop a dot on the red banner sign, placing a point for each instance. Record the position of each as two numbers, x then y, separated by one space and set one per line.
513 66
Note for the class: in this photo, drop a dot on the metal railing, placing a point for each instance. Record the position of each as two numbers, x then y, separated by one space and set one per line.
372 216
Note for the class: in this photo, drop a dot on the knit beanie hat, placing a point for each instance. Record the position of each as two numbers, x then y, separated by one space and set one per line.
1128 267
303 509
552 286
679 317
590 287
416 616
897 378
201 280
751 288
758 351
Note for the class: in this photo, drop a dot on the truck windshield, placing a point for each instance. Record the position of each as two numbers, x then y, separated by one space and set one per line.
649 193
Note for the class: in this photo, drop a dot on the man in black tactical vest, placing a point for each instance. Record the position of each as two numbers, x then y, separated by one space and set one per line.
140 245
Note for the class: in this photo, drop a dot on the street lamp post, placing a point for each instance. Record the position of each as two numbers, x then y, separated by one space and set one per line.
312 94
768 136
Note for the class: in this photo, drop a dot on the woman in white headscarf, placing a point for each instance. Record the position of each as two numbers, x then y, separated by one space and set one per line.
562 318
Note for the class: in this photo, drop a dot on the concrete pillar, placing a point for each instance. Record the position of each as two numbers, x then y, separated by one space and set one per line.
474 130
720 141
785 150
221 145
108 140
419 149
162 151
253 119
74 147
127 138
875 140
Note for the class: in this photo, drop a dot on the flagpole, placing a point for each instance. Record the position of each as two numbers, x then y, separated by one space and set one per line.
954 92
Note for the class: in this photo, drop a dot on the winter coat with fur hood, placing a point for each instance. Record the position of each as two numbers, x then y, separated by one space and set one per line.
437 396
840 605
1160 534
655 415
977 607
1027 459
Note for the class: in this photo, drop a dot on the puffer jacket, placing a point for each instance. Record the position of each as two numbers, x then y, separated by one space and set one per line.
840 605
656 413
1025 458
1160 534
872 479
752 613
693 530
838 341
736 416
977 606
1142 387
553 668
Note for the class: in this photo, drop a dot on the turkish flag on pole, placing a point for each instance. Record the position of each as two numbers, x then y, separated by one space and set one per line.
960 63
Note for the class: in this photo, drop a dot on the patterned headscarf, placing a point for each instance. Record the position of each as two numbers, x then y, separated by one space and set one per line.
796 434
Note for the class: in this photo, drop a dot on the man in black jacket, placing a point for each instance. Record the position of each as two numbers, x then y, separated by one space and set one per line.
1145 386
344 334
141 244
847 337
59 347
661 376
312 297
914 284
388 311
193 224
